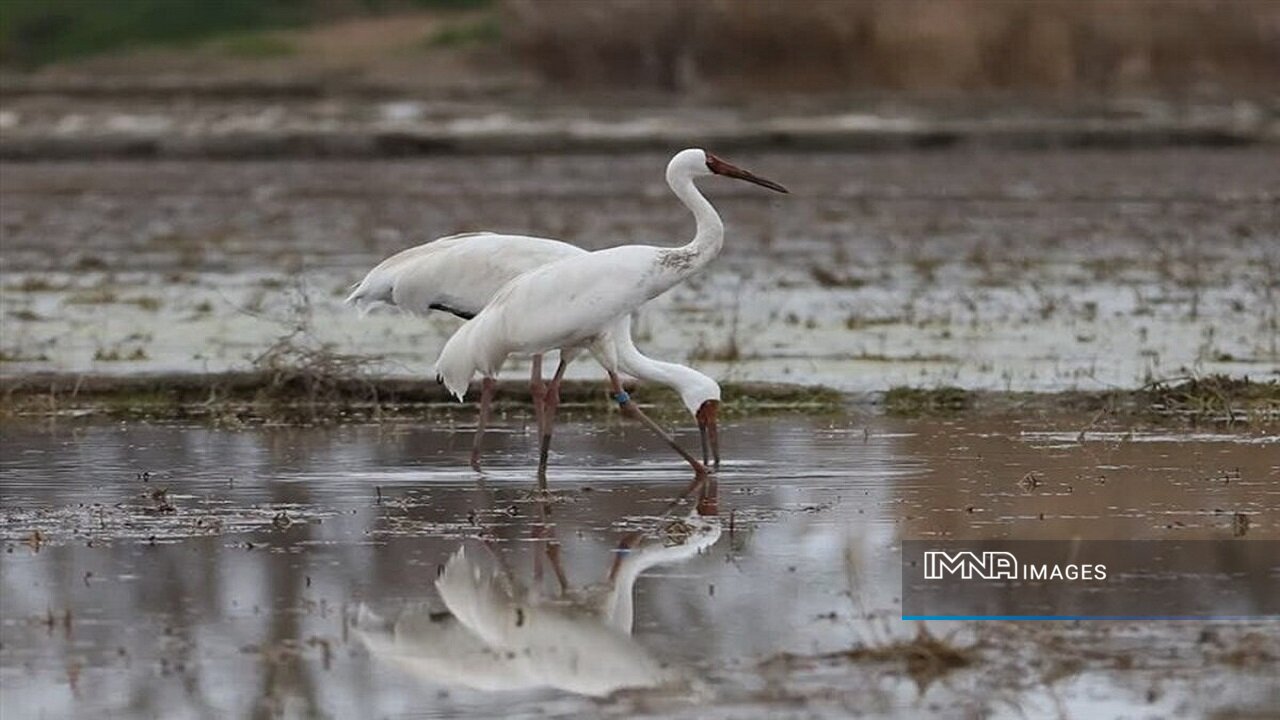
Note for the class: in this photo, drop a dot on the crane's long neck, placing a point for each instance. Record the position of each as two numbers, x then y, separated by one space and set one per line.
619 604
633 362
709 238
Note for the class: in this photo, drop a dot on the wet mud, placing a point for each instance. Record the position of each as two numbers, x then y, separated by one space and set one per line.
1002 270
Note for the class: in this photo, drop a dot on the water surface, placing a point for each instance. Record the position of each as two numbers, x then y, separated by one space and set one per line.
175 571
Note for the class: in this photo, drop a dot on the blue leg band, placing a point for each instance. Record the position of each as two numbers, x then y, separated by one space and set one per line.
622 397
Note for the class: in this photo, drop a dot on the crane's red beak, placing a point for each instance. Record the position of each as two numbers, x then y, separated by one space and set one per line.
710 433
720 167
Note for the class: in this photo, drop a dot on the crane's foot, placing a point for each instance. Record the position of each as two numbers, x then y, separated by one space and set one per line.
475 461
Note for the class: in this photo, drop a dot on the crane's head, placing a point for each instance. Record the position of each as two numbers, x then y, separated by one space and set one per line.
694 163
701 397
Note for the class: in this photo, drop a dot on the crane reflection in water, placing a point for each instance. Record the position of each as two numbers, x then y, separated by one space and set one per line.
498 632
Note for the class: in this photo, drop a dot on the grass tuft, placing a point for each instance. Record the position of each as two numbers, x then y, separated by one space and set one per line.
255 46
486 30
1216 398
307 384
925 658
920 401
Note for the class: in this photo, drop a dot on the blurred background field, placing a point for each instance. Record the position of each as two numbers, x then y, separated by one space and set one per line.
1049 47
396 77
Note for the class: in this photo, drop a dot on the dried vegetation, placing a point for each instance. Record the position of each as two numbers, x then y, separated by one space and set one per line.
1058 46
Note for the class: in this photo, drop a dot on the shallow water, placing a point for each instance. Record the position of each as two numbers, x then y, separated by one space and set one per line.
269 576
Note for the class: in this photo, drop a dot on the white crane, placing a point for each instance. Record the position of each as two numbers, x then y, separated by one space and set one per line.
459 274
583 302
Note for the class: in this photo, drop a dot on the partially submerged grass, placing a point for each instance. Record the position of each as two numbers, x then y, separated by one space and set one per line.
19 355
107 296
828 278
920 401
925 658
117 354
290 384
306 384
36 284
1216 398
1212 399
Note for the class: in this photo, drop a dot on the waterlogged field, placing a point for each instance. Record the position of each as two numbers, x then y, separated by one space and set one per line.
162 570
995 270
236 566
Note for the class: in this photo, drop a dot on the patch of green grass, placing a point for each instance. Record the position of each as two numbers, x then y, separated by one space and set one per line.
921 401
434 4
914 357
828 278
255 46
855 322
144 302
97 296
35 283
1215 397
106 296
752 400
8 356
119 355
37 32
26 315
476 31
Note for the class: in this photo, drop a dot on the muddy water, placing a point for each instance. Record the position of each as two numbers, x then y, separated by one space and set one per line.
292 572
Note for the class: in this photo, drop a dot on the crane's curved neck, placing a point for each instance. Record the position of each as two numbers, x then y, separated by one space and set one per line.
674 375
684 380
647 369
709 237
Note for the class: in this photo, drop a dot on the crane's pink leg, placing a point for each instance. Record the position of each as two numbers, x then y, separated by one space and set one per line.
549 420
537 390
487 388
630 409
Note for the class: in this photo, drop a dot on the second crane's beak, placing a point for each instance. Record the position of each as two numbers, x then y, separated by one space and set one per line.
720 167
710 433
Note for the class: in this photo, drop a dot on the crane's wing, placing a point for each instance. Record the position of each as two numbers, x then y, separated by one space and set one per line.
457 274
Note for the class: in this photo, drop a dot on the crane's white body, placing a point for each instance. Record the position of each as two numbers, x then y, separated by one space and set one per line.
461 274
582 302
